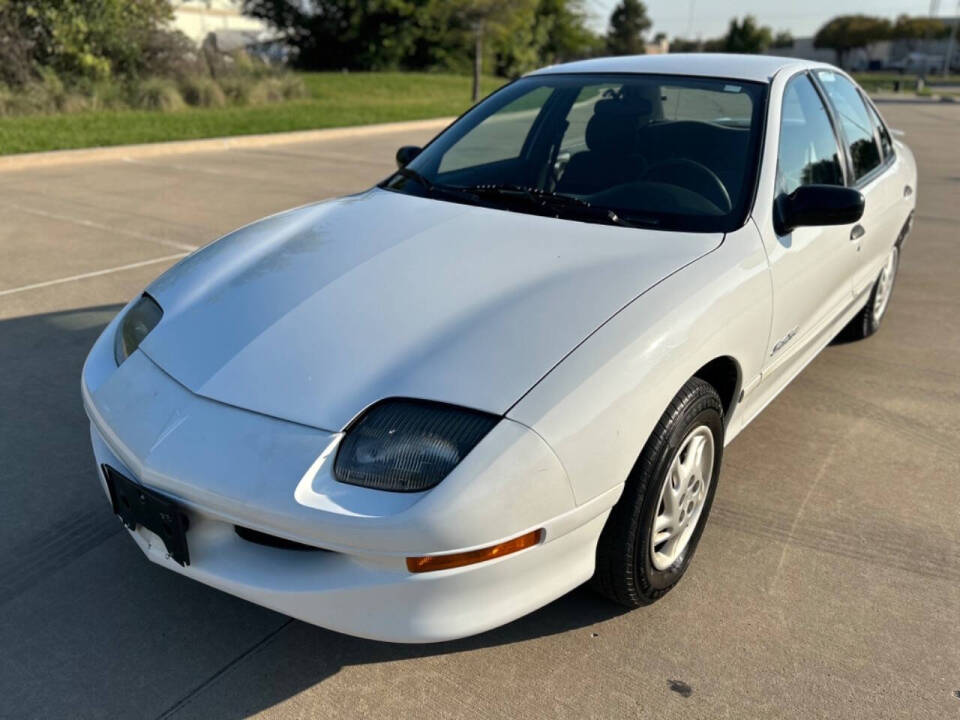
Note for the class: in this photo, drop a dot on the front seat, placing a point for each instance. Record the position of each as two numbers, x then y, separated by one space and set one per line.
611 158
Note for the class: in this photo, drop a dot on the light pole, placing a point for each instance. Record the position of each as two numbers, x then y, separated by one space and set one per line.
951 41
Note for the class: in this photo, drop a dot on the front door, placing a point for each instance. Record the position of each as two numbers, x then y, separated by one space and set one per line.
812 268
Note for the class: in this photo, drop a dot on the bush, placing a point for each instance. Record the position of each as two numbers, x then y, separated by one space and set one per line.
159 94
167 53
202 91
181 80
44 96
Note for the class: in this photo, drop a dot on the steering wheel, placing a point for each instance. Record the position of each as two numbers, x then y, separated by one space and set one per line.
690 174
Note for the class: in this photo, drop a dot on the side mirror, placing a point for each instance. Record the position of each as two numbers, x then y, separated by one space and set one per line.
817 205
406 154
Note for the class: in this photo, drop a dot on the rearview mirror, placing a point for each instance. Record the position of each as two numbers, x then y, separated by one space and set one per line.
817 205
406 154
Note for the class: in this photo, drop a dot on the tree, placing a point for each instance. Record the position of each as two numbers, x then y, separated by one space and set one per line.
683 45
516 35
918 28
782 39
552 31
747 37
628 23
353 34
486 18
561 30
848 32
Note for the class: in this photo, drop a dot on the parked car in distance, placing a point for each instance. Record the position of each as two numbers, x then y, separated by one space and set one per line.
422 411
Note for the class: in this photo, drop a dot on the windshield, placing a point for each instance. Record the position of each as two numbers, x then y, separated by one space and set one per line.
666 151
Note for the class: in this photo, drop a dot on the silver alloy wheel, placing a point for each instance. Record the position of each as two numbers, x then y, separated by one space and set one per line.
884 286
682 497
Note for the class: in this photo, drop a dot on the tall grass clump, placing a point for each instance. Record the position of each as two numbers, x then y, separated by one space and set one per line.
202 91
158 94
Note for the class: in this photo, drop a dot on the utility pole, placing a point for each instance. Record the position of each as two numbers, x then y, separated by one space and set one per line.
951 42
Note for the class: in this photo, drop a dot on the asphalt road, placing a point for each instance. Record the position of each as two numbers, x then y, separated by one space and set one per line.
827 583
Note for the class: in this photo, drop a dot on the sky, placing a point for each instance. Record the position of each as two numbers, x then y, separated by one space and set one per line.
709 18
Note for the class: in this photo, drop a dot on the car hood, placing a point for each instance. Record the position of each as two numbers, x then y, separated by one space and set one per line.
316 313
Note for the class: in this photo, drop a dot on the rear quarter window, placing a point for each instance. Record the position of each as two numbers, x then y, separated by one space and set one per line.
728 105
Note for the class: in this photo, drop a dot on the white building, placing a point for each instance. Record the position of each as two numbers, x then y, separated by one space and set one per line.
197 18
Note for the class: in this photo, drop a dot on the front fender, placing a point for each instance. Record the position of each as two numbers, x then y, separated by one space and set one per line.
599 405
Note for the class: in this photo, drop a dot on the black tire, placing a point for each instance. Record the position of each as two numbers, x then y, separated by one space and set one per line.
866 322
624 571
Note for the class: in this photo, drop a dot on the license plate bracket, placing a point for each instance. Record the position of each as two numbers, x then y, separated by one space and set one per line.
136 505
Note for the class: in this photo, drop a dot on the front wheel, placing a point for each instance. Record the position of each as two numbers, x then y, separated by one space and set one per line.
653 530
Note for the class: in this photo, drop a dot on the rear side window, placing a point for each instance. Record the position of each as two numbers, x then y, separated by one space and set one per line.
886 144
727 105
809 153
854 121
583 108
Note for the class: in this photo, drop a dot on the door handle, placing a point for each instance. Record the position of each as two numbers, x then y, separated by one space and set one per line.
857 232
907 191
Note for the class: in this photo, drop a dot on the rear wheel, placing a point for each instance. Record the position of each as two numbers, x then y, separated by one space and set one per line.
653 530
867 321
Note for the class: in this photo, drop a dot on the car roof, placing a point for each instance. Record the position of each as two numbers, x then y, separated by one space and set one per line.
758 68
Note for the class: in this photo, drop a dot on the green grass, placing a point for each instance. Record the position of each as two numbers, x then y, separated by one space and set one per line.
875 81
336 100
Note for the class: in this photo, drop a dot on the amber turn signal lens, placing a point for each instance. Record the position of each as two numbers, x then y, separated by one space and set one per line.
430 563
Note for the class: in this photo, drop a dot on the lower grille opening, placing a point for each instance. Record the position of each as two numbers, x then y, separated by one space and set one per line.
255 536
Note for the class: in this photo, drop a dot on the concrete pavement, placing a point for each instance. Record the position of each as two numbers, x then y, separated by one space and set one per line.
827 583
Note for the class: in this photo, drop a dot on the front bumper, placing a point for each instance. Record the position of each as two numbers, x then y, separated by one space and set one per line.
229 467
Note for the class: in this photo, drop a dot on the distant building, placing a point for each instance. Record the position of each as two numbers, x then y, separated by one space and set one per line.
657 47
874 55
197 18
230 29
907 55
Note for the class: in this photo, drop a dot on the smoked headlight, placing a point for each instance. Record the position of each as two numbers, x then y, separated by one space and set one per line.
135 326
408 445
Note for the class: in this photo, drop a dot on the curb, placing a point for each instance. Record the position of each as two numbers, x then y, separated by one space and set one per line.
30 161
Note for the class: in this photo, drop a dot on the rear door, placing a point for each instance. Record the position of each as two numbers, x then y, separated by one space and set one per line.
872 169
811 267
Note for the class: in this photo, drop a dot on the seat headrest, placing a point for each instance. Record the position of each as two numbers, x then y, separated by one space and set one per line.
614 125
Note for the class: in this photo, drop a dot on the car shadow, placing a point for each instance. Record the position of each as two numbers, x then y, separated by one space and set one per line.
297 656
62 555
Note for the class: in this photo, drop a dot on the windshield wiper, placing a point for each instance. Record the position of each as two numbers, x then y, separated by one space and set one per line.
556 204
559 204
435 188
406 172
531 194
610 216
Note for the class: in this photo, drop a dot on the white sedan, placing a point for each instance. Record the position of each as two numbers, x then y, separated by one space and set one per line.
419 412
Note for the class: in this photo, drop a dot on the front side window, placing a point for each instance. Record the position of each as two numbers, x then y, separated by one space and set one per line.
809 154
673 152
854 121
498 137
